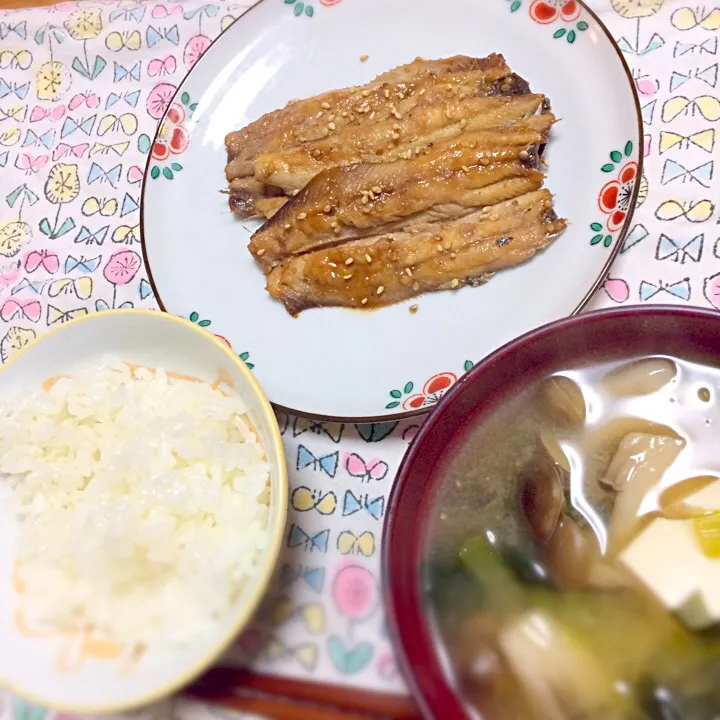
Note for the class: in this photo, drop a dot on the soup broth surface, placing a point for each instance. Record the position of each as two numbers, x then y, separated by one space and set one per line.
573 561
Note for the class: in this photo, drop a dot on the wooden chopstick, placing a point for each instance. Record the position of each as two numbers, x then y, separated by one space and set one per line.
286 699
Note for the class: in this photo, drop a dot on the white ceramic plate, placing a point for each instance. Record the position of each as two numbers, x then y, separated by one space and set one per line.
351 365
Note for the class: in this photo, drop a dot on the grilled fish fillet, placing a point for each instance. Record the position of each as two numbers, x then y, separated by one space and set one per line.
302 120
393 140
350 201
377 271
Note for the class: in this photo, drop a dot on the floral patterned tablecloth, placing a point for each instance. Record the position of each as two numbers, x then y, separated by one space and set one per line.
82 85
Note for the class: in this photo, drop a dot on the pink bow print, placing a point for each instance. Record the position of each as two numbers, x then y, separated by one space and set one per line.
161 11
29 309
31 164
45 259
40 113
372 470
63 150
89 99
162 66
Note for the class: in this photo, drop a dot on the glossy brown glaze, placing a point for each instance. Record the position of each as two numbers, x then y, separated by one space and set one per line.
413 170
306 120
378 271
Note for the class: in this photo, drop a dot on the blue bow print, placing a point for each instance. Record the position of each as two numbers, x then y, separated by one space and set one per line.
36 286
709 46
353 504
20 29
327 463
129 98
4 158
46 139
313 576
680 289
669 249
136 14
702 174
120 73
82 265
97 173
71 125
20 91
92 238
297 537
709 76
155 35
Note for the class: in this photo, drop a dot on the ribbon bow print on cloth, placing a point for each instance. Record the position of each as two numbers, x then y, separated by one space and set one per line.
680 289
20 309
327 463
708 47
352 503
43 259
297 537
706 106
121 73
705 140
20 91
8 29
156 35
128 98
97 174
86 265
709 76
303 499
313 577
128 15
702 174
32 139
670 249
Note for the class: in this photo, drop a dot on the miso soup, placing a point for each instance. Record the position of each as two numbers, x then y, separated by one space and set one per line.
574 560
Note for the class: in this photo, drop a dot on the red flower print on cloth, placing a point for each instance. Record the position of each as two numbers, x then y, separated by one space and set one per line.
172 137
614 199
432 391
548 11
329 3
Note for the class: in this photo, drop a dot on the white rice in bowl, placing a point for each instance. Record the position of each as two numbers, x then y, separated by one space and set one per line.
142 501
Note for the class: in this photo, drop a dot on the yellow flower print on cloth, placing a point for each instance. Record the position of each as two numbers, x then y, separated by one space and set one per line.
63 184
632 9
84 24
52 81
14 235
62 187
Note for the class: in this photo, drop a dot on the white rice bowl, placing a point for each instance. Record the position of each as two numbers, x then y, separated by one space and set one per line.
141 512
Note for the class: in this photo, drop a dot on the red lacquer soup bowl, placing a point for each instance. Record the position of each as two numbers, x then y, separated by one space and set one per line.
417 496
